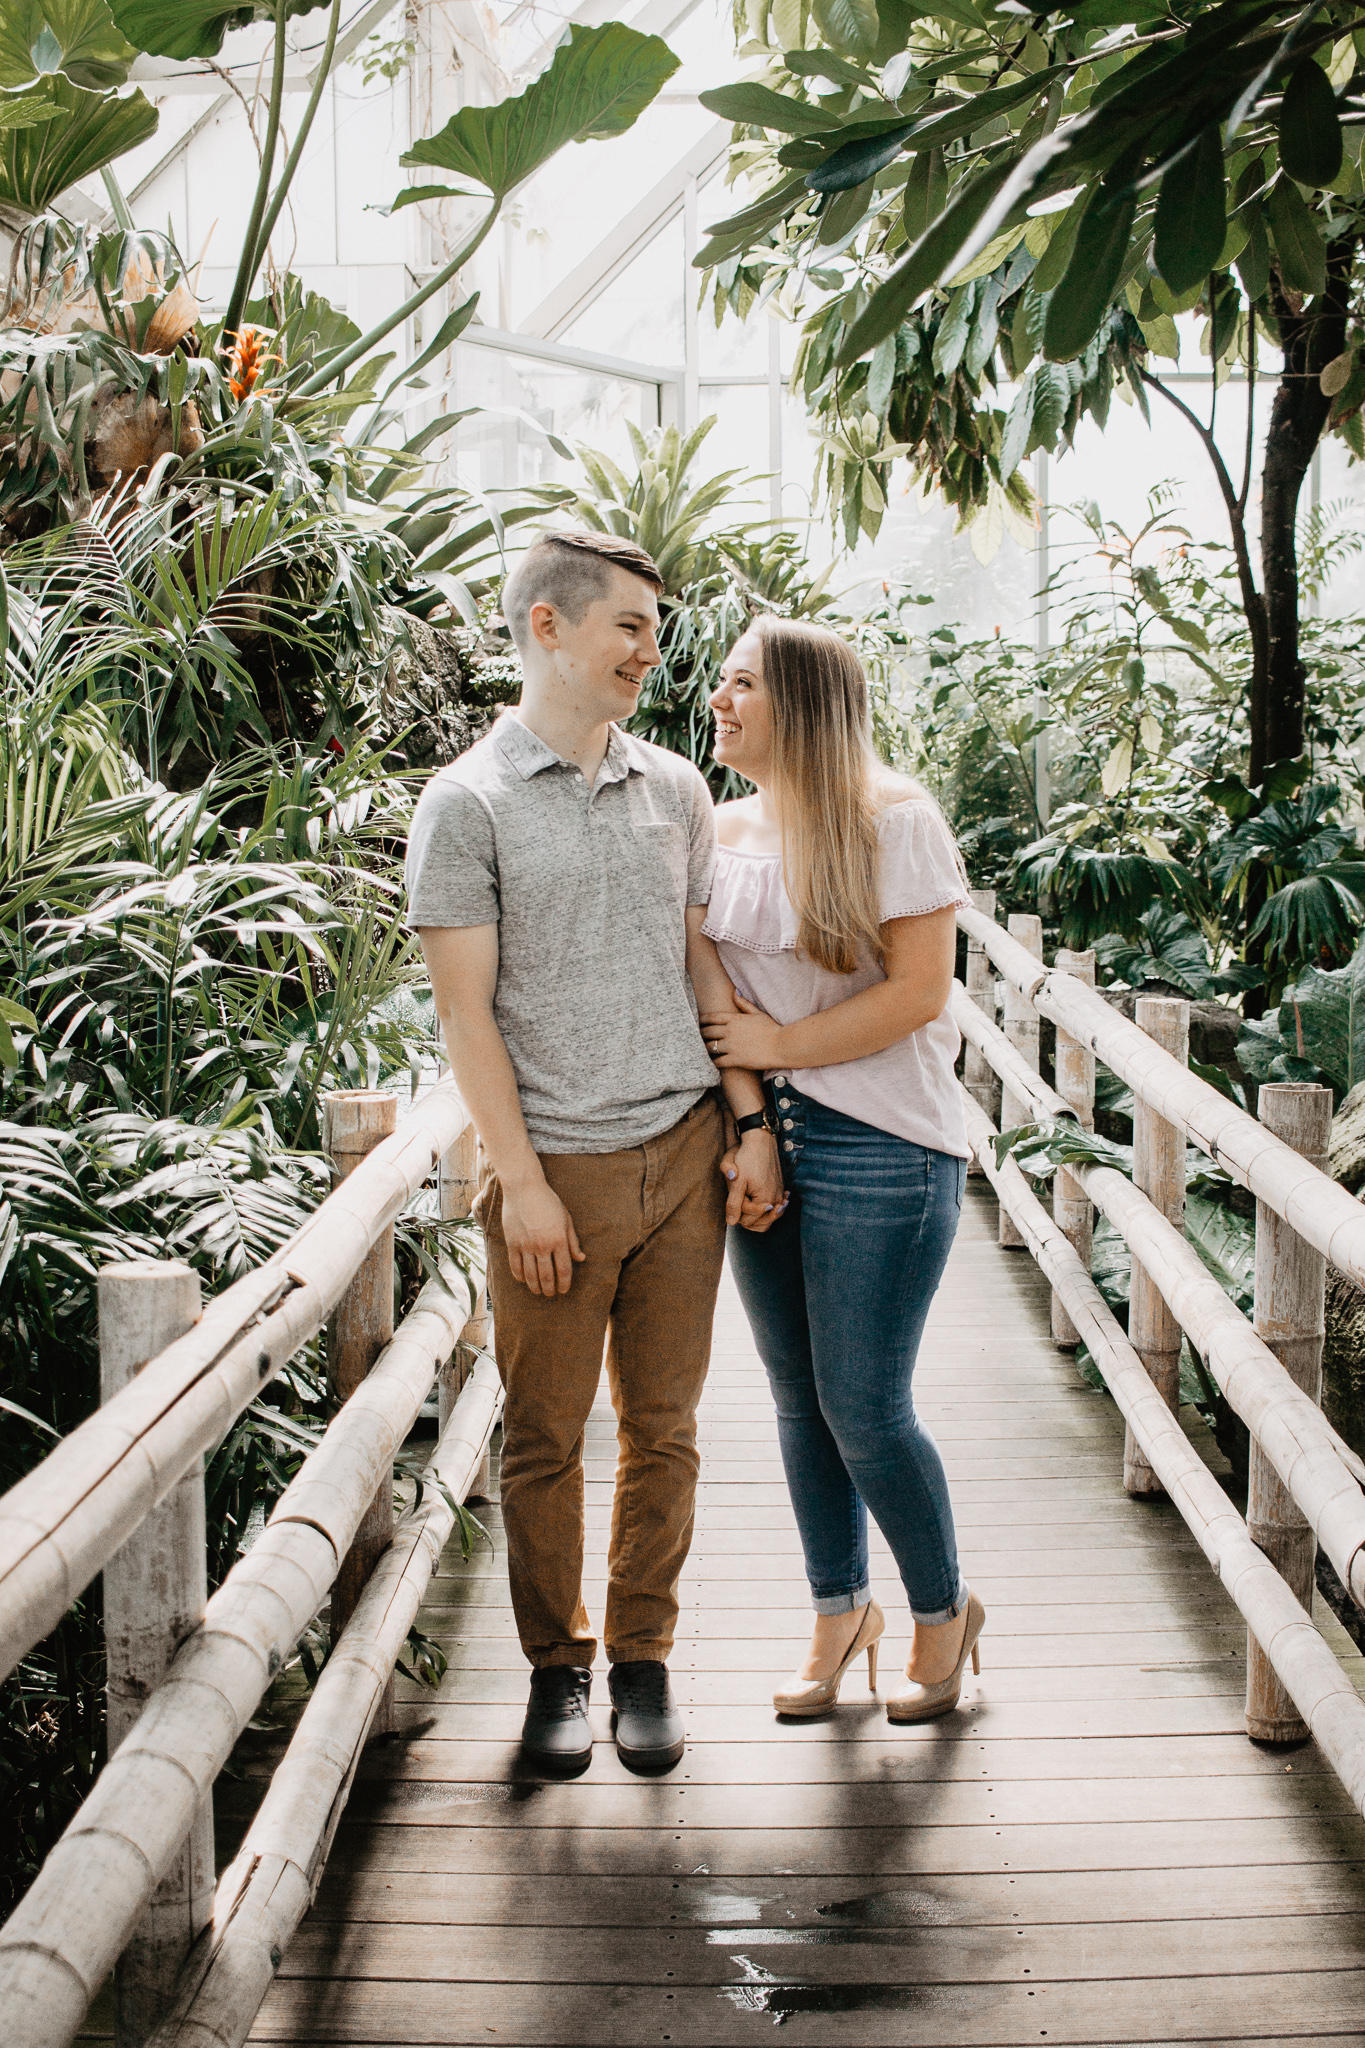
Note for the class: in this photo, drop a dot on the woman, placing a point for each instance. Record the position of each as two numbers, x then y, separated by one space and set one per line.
833 914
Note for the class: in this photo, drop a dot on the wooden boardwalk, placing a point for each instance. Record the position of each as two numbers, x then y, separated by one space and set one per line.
1089 1850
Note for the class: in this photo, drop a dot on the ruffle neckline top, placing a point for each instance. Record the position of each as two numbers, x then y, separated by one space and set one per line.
909 1088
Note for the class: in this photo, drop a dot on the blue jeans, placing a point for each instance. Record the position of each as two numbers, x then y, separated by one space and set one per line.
837 1294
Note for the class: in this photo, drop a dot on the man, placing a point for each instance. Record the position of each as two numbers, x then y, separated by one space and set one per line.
558 874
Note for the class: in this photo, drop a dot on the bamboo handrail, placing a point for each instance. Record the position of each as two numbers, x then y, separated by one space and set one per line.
1320 1689
64 1937
271 1882
990 1041
1321 1471
64 1520
1322 1212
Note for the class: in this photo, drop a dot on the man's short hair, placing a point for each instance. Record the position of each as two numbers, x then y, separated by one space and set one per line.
570 568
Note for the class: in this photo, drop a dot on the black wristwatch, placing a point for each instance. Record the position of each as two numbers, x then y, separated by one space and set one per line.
764 1119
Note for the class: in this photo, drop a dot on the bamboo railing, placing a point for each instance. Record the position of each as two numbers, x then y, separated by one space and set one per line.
1306 1483
129 1886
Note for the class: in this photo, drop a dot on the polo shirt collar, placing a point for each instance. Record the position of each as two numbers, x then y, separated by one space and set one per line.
528 753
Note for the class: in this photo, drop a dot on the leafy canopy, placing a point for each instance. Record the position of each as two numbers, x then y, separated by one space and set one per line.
970 195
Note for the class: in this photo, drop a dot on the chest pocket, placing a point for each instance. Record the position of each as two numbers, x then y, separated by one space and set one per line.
660 861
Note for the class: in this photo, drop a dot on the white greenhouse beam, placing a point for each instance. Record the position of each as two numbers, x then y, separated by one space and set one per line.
170 81
590 278
656 18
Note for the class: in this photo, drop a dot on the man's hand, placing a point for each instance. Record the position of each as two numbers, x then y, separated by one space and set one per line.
757 1197
542 1244
747 1038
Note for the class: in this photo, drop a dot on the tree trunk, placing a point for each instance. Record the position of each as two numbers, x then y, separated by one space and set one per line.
1311 336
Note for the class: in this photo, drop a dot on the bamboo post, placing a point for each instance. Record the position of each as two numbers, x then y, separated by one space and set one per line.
1288 1313
1329 1216
1023 1032
267 1889
61 1524
1314 1679
457 1182
1071 1206
155 1593
1159 1171
1323 1474
354 1122
977 1072
66 1934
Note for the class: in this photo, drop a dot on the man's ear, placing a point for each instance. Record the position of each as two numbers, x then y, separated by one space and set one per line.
544 622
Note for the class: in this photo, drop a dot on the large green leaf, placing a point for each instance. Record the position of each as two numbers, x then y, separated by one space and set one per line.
600 82
1253 265
86 130
1191 214
850 25
1226 1242
856 160
1310 133
1299 246
1082 298
876 143
192 28
758 106
77 37
1315 1021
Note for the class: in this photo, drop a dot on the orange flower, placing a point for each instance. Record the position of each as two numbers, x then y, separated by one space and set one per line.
248 360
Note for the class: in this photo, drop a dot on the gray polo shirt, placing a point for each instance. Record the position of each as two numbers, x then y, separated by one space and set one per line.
587 889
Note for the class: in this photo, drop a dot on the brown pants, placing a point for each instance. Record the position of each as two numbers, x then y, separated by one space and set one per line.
652 1223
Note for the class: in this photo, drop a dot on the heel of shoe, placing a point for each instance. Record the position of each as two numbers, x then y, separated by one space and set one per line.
976 1660
872 1665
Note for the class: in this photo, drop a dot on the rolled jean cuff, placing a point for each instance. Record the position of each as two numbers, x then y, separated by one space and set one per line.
944 1613
842 1603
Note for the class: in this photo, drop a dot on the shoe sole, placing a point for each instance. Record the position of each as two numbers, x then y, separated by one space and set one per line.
649 1760
934 1713
557 1763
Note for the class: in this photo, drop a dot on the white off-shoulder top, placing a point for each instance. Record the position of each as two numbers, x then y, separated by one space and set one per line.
908 1089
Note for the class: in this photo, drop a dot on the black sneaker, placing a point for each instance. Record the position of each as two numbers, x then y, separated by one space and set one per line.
649 1729
555 1732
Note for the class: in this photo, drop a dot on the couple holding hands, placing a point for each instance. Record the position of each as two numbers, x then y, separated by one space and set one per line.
604 947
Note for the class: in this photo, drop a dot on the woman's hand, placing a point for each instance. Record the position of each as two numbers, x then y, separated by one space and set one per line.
757 1197
746 1038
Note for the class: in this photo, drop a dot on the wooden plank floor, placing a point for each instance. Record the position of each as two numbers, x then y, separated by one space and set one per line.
1089 1850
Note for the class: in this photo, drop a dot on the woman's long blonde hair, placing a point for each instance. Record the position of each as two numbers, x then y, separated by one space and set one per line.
824 784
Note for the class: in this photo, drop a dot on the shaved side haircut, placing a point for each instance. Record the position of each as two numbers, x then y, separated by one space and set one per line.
569 568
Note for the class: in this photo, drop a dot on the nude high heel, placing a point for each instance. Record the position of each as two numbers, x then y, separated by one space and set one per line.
806 1696
926 1702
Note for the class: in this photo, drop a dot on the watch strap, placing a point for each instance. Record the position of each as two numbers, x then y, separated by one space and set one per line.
761 1120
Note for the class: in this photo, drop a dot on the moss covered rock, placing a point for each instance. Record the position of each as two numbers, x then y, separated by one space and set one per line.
443 688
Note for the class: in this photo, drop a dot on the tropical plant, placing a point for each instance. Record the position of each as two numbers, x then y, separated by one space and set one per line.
963 198
1167 947
1141 708
147 391
184 974
663 508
